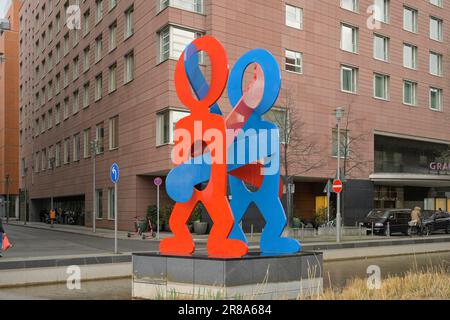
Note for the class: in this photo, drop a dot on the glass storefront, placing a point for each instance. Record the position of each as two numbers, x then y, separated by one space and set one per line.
394 155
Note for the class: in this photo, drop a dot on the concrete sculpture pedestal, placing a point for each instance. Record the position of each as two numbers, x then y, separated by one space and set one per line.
254 276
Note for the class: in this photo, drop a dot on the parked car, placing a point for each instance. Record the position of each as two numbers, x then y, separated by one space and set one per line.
435 221
388 221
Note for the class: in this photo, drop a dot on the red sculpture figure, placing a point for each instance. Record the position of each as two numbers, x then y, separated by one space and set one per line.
214 196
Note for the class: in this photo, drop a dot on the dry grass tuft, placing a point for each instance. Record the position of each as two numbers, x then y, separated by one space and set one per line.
433 283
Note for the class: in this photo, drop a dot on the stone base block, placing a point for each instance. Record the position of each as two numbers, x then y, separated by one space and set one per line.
254 276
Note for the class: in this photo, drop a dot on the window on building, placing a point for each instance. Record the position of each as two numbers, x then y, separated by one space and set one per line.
410 17
382 10
352 5
66 44
86 61
435 99
76 102
86 143
349 79
113 36
57 114
98 87
129 22
67 151
190 5
438 3
99 136
294 17
76 147
50 119
166 122
66 76
50 158
112 78
111 204
44 159
58 154
436 29
86 95
173 41
381 47
86 22
344 144
129 67
114 133
294 61
58 22
76 68
435 64
98 10
410 56
98 48
349 38
66 109
58 53
99 203
410 92
112 4
58 84
381 86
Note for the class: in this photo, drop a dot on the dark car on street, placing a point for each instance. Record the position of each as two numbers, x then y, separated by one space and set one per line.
435 221
387 221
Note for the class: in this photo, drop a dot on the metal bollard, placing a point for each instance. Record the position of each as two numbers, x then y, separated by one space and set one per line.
388 229
372 230
251 232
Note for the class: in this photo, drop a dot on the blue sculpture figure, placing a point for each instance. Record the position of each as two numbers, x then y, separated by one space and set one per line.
267 197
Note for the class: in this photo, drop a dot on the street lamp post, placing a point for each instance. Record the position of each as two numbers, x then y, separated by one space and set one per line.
339 115
7 181
94 148
52 161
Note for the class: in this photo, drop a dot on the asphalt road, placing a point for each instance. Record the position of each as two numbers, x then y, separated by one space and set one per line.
34 243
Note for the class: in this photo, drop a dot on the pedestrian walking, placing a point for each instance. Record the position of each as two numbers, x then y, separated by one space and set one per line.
416 216
52 217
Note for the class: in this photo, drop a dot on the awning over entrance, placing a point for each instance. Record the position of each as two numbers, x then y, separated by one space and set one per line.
413 180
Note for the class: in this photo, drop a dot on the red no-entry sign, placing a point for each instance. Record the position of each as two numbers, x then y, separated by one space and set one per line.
337 186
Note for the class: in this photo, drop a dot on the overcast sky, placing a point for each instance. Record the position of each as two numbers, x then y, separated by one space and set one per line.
4 6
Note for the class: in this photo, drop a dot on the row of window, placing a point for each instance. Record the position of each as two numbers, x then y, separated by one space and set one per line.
382 11
46 120
381 88
47 65
381 50
60 154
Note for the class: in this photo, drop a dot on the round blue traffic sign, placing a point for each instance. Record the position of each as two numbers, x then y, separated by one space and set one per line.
114 173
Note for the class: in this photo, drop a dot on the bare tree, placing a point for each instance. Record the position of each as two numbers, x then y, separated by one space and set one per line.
352 145
353 141
299 152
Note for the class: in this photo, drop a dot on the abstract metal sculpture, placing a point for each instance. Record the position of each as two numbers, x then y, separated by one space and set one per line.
210 149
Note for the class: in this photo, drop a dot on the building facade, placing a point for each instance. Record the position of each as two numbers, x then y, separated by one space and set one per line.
9 114
104 71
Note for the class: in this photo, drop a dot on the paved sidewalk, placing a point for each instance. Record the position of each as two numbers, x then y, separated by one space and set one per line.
87 231
315 241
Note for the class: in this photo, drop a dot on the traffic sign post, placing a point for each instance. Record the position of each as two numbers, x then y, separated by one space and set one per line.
337 186
115 174
158 182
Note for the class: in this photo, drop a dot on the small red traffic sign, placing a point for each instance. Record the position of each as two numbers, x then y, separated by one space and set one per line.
337 186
